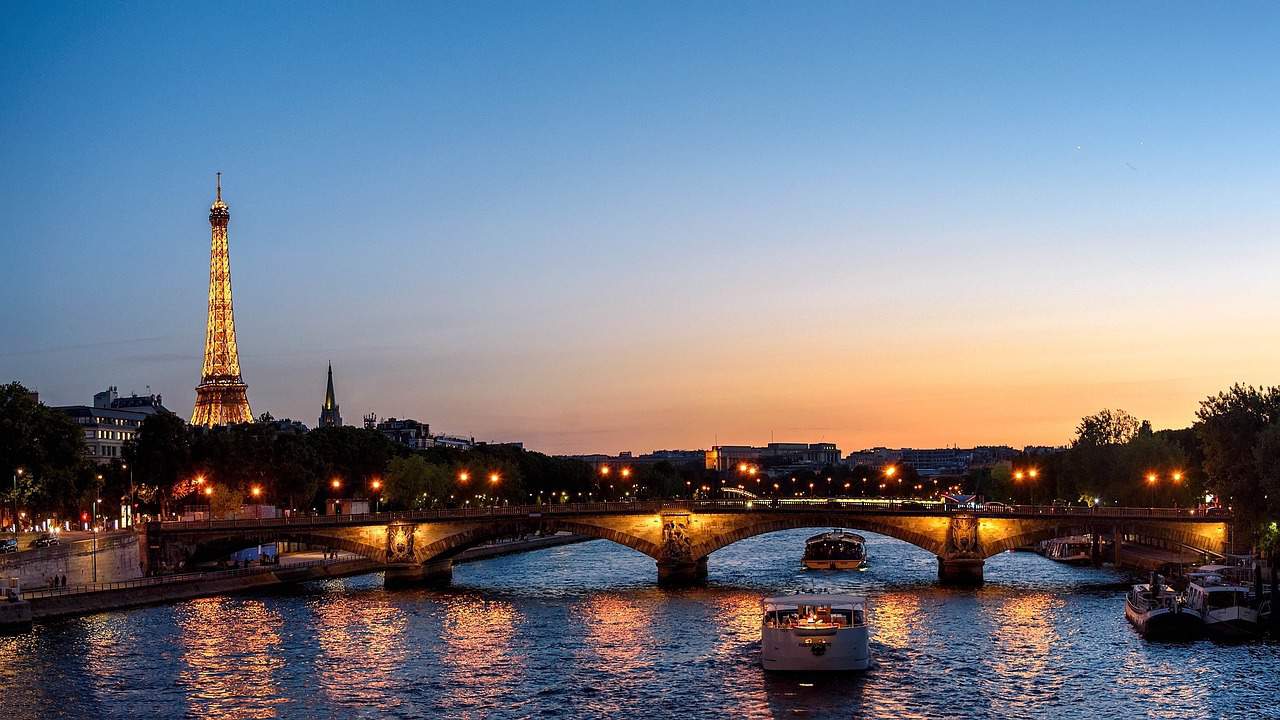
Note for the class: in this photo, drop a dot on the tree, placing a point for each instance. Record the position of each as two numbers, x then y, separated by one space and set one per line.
47 445
294 470
160 454
1231 428
1107 427
414 483
353 455
225 501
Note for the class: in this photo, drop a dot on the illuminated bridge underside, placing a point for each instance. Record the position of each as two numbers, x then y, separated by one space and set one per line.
679 537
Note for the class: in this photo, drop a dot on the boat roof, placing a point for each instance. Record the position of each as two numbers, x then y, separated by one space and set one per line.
1212 583
831 534
817 599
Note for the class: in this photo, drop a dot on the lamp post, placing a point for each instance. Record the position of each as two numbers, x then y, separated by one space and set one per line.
376 485
126 466
93 555
1151 483
16 474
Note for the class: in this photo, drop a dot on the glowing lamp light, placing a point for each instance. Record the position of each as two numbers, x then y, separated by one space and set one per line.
626 472
255 491
464 476
1151 478
1018 475
1033 473
335 483
604 470
1177 476
494 478
208 490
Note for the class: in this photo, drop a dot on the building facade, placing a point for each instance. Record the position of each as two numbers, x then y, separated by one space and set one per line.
112 421
816 455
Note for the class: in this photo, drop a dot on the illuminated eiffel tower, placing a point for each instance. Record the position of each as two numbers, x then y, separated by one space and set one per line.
221 396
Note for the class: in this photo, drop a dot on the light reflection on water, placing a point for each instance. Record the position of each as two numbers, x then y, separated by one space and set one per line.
230 654
580 631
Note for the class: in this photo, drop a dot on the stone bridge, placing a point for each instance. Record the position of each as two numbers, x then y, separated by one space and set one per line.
420 546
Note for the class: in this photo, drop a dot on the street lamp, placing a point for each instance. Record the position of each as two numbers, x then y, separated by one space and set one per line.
256 491
463 477
94 529
376 486
131 491
16 474
1151 483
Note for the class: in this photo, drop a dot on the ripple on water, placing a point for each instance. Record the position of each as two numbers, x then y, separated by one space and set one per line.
580 631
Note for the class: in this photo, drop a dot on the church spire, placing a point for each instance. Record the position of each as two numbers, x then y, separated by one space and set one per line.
329 414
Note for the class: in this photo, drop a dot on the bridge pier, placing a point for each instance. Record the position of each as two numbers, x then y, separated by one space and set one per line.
676 574
432 574
960 571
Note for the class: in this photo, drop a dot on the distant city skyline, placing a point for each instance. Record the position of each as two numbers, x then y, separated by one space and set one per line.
873 226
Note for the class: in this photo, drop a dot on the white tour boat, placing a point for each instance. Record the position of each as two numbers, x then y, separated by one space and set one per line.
815 633
1160 614
1222 603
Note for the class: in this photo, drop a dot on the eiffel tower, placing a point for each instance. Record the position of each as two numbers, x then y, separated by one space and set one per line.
221 396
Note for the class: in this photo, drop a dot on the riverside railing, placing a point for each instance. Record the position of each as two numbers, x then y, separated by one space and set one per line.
177 578
763 505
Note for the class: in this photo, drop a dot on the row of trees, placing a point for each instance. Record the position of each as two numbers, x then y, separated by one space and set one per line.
1232 452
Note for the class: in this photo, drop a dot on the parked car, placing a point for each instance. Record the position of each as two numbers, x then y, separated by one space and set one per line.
46 541
8 545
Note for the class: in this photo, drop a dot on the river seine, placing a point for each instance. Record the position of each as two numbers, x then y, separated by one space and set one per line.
581 632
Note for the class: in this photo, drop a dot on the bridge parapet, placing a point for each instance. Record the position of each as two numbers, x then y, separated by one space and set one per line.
680 535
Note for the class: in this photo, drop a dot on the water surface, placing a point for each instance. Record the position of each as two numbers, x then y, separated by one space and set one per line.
581 632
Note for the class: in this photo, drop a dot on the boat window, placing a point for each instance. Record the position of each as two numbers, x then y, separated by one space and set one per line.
1225 599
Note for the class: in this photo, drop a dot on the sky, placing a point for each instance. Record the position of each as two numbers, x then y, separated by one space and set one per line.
596 227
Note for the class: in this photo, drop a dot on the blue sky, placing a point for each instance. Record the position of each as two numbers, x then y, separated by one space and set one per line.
608 226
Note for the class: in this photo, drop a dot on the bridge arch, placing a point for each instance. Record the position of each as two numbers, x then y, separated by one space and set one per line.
760 525
1206 538
465 537
219 546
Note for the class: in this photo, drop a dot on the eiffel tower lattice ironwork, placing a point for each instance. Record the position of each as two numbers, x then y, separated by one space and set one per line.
221 397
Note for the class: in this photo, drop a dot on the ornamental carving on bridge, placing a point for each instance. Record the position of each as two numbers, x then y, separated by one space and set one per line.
399 543
962 537
676 545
